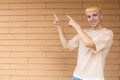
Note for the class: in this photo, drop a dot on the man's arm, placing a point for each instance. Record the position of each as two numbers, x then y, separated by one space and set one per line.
58 25
87 41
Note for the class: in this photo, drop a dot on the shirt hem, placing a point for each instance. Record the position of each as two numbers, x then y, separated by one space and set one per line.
88 78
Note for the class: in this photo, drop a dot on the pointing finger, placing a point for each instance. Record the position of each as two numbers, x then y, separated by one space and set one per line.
55 15
68 17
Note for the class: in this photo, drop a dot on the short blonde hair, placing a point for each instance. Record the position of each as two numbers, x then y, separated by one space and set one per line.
93 8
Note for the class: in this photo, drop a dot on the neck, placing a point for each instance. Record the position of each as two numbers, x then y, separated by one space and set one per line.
98 27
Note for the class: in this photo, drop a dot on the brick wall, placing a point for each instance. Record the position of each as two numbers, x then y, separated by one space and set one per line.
30 48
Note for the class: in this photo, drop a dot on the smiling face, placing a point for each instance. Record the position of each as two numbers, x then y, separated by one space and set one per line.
94 16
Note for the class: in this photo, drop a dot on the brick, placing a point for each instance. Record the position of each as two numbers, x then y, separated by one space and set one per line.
36 18
4 77
4 66
72 1
55 48
13 72
4 48
112 73
111 67
27 78
46 61
36 48
18 6
18 18
36 5
18 48
18 60
44 11
4 1
4 6
113 61
68 73
73 11
27 18
113 55
4 60
4 42
53 54
111 24
115 49
37 24
19 42
4 18
63 5
111 11
43 36
13 12
70 61
103 5
39 54
112 78
36 1
53 42
19 54
37 42
13 36
13 24
45 73
18 1
27 30
4 54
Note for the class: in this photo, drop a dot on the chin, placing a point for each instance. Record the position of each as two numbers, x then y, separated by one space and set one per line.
93 26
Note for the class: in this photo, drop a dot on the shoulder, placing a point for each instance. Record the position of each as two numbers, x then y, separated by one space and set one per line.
106 34
106 31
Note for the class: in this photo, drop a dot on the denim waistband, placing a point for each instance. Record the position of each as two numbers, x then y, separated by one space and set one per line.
75 78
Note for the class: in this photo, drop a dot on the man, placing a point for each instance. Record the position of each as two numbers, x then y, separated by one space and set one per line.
94 44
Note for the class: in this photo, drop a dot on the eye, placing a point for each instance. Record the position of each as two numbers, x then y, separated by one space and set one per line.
88 16
94 14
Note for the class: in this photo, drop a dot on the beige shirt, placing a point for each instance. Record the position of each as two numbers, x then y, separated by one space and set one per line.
90 64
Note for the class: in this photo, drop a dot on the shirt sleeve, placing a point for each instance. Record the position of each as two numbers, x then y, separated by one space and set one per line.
103 40
74 42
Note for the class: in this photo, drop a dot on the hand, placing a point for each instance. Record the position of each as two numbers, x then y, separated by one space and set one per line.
56 20
71 21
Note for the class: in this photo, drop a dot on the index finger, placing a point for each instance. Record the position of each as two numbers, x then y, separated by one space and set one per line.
55 15
68 17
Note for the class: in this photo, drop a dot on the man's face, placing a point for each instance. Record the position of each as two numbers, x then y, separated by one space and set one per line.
94 18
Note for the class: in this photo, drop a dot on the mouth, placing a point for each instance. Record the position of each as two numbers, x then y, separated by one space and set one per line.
93 22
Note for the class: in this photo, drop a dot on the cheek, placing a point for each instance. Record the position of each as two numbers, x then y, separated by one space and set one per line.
88 20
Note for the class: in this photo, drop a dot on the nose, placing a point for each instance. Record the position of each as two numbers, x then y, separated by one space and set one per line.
91 18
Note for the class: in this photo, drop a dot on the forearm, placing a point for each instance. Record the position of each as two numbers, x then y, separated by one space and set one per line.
62 38
87 41
58 25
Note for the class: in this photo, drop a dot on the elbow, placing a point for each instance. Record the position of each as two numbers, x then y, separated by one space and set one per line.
91 46
88 44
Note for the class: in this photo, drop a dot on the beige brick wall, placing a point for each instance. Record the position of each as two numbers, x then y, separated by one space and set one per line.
30 48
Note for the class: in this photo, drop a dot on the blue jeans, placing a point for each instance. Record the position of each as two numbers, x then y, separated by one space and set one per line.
75 78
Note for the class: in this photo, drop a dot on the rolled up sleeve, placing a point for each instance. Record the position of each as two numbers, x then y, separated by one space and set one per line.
102 41
74 42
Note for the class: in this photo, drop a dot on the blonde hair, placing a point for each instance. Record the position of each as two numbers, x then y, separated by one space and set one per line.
93 8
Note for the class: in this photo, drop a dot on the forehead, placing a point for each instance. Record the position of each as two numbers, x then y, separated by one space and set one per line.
92 12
